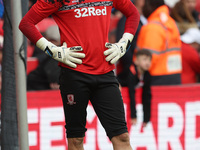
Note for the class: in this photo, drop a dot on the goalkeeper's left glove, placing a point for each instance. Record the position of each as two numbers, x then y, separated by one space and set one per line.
117 50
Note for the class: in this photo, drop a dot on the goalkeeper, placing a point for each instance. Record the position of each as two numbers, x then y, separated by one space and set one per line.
87 62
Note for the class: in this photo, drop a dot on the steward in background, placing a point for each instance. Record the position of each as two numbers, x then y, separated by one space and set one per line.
161 37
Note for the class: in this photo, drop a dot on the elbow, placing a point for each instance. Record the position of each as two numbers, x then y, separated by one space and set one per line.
138 16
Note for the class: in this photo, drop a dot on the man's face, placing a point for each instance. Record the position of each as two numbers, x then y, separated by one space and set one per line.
140 3
144 62
191 4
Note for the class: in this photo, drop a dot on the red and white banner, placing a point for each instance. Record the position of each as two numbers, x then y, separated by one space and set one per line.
175 123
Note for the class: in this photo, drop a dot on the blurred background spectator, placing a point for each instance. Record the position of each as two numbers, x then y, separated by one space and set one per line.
182 14
191 5
46 75
190 55
161 37
139 77
125 62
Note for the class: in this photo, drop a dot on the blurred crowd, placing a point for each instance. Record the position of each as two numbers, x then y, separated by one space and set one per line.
171 32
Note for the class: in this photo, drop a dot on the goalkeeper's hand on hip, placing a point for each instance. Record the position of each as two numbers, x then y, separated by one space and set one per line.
70 56
117 50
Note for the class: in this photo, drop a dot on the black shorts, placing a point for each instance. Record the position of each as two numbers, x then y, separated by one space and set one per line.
78 88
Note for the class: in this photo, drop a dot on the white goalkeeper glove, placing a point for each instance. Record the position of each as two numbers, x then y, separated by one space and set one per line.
117 50
69 56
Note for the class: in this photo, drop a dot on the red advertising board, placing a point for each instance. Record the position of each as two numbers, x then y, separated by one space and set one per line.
175 122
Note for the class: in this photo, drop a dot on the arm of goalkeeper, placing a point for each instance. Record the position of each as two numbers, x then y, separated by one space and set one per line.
117 50
70 56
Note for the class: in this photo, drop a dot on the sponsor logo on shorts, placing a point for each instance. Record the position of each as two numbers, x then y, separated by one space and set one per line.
70 98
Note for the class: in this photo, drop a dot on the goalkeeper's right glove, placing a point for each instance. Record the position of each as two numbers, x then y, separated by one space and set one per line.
69 56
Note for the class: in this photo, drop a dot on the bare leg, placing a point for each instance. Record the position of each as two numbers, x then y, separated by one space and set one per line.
121 142
75 144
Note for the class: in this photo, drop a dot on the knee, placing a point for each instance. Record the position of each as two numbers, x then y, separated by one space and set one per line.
122 138
77 142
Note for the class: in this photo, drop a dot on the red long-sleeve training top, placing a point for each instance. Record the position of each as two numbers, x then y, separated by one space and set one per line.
81 23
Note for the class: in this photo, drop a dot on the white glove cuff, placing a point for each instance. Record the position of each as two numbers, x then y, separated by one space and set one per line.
128 36
42 43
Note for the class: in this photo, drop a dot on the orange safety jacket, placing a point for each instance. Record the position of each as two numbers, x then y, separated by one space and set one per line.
161 37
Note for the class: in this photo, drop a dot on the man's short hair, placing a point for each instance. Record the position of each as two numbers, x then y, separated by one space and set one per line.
156 3
144 52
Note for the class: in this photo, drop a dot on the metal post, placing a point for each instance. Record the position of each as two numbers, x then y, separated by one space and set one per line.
20 72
